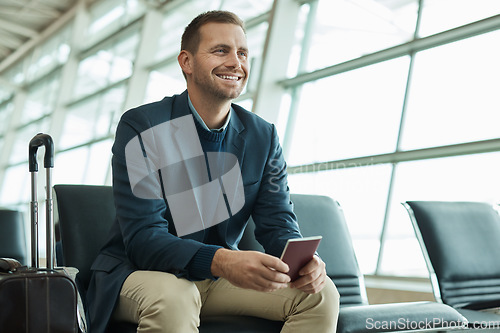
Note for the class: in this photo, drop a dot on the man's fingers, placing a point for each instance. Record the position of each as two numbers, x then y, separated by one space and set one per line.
275 276
267 285
275 263
314 287
309 283
311 266
313 277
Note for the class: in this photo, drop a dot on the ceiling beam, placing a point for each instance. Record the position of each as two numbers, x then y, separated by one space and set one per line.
4 51
18 29
24 14
26 47
10 41
43 9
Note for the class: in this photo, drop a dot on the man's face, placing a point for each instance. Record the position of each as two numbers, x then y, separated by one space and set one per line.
220 66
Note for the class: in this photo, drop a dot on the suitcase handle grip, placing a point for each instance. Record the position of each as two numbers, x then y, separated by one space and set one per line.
41 140
8 265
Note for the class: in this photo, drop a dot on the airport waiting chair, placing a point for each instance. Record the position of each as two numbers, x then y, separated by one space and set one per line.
321 215
12 236
85 214
461 245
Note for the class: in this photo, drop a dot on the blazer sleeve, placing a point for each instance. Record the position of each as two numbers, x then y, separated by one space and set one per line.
273 215
148 241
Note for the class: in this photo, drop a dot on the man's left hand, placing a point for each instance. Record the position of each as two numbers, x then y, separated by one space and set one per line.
312 276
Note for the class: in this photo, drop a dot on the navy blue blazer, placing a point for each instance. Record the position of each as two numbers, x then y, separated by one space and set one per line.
142 238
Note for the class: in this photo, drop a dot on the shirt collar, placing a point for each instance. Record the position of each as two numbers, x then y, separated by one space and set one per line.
202 123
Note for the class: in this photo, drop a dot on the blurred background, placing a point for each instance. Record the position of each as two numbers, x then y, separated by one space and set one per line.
376 101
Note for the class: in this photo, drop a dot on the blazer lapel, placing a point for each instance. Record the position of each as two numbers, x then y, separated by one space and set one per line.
235 144
235 139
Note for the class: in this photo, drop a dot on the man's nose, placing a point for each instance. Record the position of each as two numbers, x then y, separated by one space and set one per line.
233 60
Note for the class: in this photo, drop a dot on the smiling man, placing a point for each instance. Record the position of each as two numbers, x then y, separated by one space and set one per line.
164 280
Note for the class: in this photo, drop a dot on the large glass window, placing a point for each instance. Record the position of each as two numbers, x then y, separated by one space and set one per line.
5 112
454 96
300 50
92 118
247 9
353 114
6 91
164 81
107 65
451 99
362 193
256 37
110 15
49 55
15 188
84 165
16 74
440 15
41 98
99 163
347 29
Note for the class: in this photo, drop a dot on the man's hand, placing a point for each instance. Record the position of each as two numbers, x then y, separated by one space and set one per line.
250 269
312 276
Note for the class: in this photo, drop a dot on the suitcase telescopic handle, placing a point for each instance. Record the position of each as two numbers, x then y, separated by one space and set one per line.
41 140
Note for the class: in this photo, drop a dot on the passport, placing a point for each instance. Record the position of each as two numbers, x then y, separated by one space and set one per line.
298 252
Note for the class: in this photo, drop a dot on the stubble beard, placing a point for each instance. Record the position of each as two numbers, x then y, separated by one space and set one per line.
218 93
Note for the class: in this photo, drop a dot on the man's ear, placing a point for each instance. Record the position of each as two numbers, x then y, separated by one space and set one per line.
185 61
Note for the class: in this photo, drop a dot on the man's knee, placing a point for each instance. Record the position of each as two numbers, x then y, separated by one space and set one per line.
330 297
159 294
327 307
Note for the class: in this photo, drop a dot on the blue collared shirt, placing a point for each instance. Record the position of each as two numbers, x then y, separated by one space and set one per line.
202 123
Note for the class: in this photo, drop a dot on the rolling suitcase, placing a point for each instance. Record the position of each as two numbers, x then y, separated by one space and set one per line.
35 299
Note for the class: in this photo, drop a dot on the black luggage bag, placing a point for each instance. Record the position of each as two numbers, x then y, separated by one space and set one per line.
34 299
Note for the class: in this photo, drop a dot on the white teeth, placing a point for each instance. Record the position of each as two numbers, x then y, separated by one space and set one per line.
227 77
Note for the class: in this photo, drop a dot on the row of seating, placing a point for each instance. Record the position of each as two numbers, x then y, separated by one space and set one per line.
460 242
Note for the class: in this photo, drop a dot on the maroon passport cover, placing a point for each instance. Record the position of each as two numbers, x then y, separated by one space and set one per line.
298 252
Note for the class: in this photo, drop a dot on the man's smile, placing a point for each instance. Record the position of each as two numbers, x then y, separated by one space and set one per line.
228 77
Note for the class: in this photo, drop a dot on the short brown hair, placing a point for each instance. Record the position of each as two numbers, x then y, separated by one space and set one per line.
191 36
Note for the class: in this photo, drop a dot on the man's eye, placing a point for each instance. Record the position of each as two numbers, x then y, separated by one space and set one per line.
219 51
243 54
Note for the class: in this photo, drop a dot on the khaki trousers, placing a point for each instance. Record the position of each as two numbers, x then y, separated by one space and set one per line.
161 302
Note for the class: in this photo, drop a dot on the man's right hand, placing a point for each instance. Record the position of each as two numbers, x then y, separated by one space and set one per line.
250 269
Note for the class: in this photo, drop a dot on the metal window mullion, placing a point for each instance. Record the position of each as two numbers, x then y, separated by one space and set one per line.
468 148
296 91
388 206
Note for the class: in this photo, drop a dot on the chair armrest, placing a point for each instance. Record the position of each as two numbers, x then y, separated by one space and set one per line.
411 316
